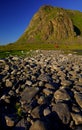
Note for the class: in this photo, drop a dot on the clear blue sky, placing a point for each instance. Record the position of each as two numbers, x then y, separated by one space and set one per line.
15 15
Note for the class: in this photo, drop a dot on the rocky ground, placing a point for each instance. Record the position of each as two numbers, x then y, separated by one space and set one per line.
42 92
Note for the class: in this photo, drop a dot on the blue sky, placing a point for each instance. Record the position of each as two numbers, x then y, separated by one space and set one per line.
15 15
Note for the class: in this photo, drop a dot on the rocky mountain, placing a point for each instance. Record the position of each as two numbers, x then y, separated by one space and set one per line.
51 23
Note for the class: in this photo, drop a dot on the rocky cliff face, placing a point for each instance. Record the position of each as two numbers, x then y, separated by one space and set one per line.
48 24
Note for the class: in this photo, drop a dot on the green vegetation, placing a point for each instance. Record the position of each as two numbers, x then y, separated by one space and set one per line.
76 17
24 49
18 110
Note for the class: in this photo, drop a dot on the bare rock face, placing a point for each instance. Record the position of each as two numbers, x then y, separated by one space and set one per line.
9 121
77 118
49 24
61 94
63 26
38 125
62 110
78 97
29 93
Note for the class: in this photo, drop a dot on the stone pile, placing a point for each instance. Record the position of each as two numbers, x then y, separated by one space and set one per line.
42 92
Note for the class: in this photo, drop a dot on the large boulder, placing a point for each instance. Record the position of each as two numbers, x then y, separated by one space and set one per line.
38 125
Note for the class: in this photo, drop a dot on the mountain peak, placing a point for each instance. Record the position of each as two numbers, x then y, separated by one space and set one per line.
50 24
46 7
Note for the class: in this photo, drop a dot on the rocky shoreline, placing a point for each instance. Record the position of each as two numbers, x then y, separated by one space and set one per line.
42 92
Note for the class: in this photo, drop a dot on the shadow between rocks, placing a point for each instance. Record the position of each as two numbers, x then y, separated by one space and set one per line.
53 122
19 128
77 30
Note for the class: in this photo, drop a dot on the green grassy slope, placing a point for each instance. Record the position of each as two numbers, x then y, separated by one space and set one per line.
76 17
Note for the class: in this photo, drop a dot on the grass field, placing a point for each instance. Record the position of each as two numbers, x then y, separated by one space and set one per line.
21 49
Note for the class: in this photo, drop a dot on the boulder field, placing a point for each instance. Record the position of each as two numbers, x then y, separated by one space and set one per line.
41 92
